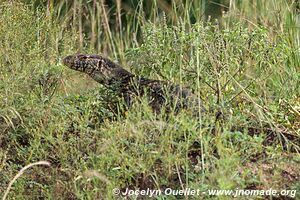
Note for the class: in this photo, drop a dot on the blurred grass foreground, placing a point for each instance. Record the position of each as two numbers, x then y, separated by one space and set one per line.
241 58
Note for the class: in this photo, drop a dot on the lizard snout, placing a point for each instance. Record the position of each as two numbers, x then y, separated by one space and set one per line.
68 61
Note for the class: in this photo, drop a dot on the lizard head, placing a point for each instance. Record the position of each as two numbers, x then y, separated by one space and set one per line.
99 68
82 62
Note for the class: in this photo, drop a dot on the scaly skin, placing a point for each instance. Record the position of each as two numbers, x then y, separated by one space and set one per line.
112 75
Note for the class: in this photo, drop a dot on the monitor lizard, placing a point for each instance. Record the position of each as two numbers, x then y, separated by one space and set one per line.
110 74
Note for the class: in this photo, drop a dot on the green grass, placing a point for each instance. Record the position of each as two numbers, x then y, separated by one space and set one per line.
248 72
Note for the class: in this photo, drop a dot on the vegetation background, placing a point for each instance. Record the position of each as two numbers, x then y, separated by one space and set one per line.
241 58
